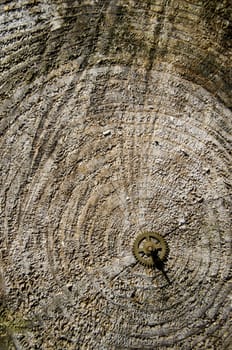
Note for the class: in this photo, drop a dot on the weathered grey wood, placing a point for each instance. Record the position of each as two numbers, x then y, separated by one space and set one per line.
116 118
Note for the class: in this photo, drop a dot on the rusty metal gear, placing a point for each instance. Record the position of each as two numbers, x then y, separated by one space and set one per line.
146 243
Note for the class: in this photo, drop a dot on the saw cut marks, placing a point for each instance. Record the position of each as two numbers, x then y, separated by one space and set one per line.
115 123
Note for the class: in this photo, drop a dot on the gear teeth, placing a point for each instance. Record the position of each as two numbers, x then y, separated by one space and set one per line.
147 262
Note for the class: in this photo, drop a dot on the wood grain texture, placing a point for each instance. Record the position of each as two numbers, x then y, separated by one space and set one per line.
115 119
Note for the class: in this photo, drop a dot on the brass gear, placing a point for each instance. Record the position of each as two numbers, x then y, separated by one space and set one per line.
147 242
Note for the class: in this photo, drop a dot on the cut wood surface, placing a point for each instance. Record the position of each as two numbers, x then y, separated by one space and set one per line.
115 120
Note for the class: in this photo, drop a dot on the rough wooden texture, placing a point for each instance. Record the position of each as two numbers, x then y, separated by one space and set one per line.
116 118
